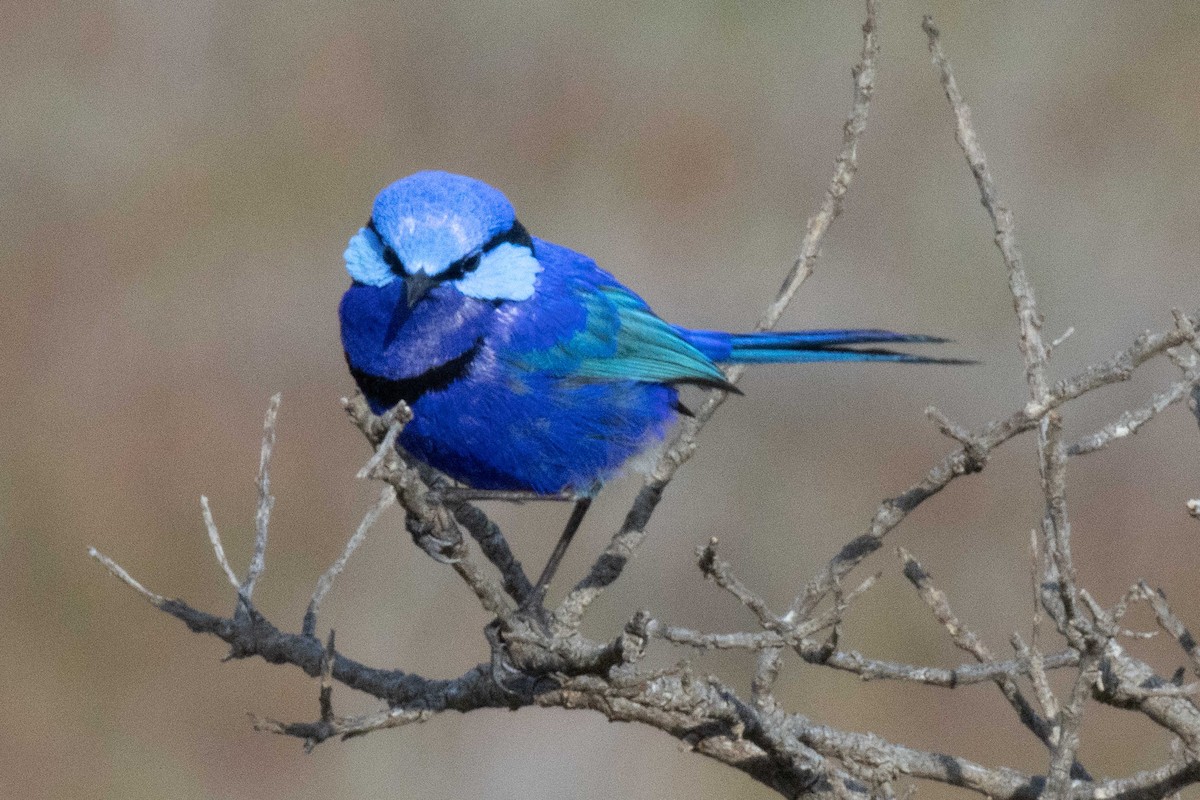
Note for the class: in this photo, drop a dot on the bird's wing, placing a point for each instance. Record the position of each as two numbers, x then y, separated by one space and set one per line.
621 339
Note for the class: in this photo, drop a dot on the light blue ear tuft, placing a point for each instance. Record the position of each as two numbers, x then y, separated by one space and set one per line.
506 273
364 259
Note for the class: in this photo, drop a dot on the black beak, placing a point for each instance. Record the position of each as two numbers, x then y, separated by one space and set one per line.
417 286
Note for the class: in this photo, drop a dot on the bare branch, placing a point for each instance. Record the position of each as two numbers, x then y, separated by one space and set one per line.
1024 302
965 639
722 575
963 675
314 733
1070 719
1171 623
844 171
766 672
1130 422
1037 676
966 460
495 548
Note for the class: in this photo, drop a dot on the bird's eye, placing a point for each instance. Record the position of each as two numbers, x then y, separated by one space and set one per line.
393 260
461 267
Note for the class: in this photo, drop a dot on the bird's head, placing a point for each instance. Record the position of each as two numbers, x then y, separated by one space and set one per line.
436 228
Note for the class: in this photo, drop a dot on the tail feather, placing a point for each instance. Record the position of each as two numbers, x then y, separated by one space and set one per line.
808 346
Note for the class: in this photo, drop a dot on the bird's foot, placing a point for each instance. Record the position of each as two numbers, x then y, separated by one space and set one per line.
525 655
443 551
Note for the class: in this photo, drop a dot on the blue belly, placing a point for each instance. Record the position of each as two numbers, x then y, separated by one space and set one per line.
539 433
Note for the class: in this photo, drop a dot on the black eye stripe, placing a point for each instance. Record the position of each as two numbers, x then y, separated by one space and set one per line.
514 235
461 267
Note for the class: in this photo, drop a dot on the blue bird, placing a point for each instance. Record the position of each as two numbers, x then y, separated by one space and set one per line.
528 368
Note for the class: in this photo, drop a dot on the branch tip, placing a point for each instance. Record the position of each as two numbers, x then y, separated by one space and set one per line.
118 572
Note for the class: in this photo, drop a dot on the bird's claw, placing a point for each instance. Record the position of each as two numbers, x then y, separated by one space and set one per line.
503 669
443 551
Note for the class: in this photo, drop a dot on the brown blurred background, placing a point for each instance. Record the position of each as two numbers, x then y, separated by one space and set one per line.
179 181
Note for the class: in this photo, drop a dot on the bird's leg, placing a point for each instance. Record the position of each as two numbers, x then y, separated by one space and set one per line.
531 622
582 504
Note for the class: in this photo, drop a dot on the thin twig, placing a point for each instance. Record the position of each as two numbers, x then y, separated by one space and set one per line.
1067 334
118 572
1038 677
214 538
722 575
1171 623
385 447
314 733
966 640
1056 526
262 516
387 498
1030 321
1131 421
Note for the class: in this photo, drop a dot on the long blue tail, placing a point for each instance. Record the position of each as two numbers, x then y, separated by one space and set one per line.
805 346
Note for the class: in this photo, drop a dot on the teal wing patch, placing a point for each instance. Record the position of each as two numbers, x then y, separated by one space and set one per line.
622 339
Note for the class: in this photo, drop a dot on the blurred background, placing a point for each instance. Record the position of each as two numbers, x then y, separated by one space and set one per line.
179 182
